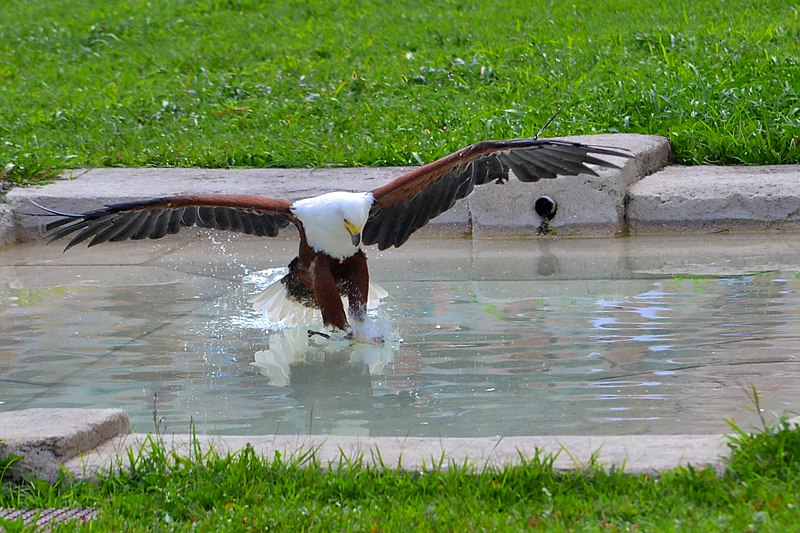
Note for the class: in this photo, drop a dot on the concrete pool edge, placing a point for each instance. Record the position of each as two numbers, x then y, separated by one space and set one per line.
85 442
647 196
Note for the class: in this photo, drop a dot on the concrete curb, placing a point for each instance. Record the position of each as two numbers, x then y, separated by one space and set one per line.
593 205
644 197
48 438
638 453
712 199
87 442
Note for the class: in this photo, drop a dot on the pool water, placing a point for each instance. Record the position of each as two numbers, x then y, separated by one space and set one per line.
496 337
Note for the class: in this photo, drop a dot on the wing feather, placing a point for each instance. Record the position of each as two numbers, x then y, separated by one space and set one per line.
159 217
205 217
223 221
175 217
128 224
409 202
88 231
189 217
162 224
105 235
236 221
147 227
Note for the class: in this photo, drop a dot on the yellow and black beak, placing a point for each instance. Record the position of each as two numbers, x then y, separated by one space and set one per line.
354 231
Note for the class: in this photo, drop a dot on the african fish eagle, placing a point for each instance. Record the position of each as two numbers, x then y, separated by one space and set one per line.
333 227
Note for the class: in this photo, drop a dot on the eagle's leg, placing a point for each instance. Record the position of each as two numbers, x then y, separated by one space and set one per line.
327 296
355 277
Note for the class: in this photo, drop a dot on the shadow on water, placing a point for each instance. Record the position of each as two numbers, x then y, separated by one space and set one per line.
623 336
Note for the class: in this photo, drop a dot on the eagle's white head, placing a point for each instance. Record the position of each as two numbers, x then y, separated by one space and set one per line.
333 222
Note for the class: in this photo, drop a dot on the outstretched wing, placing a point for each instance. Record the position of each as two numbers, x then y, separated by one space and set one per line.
406 204
158 217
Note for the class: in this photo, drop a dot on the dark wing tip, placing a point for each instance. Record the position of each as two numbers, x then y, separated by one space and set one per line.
158 217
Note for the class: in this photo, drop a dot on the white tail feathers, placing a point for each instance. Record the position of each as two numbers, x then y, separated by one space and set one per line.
375 295
274 301
276 304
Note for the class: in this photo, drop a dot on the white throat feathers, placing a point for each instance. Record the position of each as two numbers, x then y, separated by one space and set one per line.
333 221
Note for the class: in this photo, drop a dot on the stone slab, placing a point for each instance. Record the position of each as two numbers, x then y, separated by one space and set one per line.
586 203
713 199
89 441
47 438
640 453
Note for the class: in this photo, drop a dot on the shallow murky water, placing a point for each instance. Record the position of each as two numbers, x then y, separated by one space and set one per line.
622 336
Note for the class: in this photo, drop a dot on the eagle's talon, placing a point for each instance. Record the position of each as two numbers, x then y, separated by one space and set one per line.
312 333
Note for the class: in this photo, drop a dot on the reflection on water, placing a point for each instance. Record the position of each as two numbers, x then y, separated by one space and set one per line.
649 353
290 347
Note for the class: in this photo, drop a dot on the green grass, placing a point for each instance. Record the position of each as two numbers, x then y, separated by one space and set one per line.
759 491
220 83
